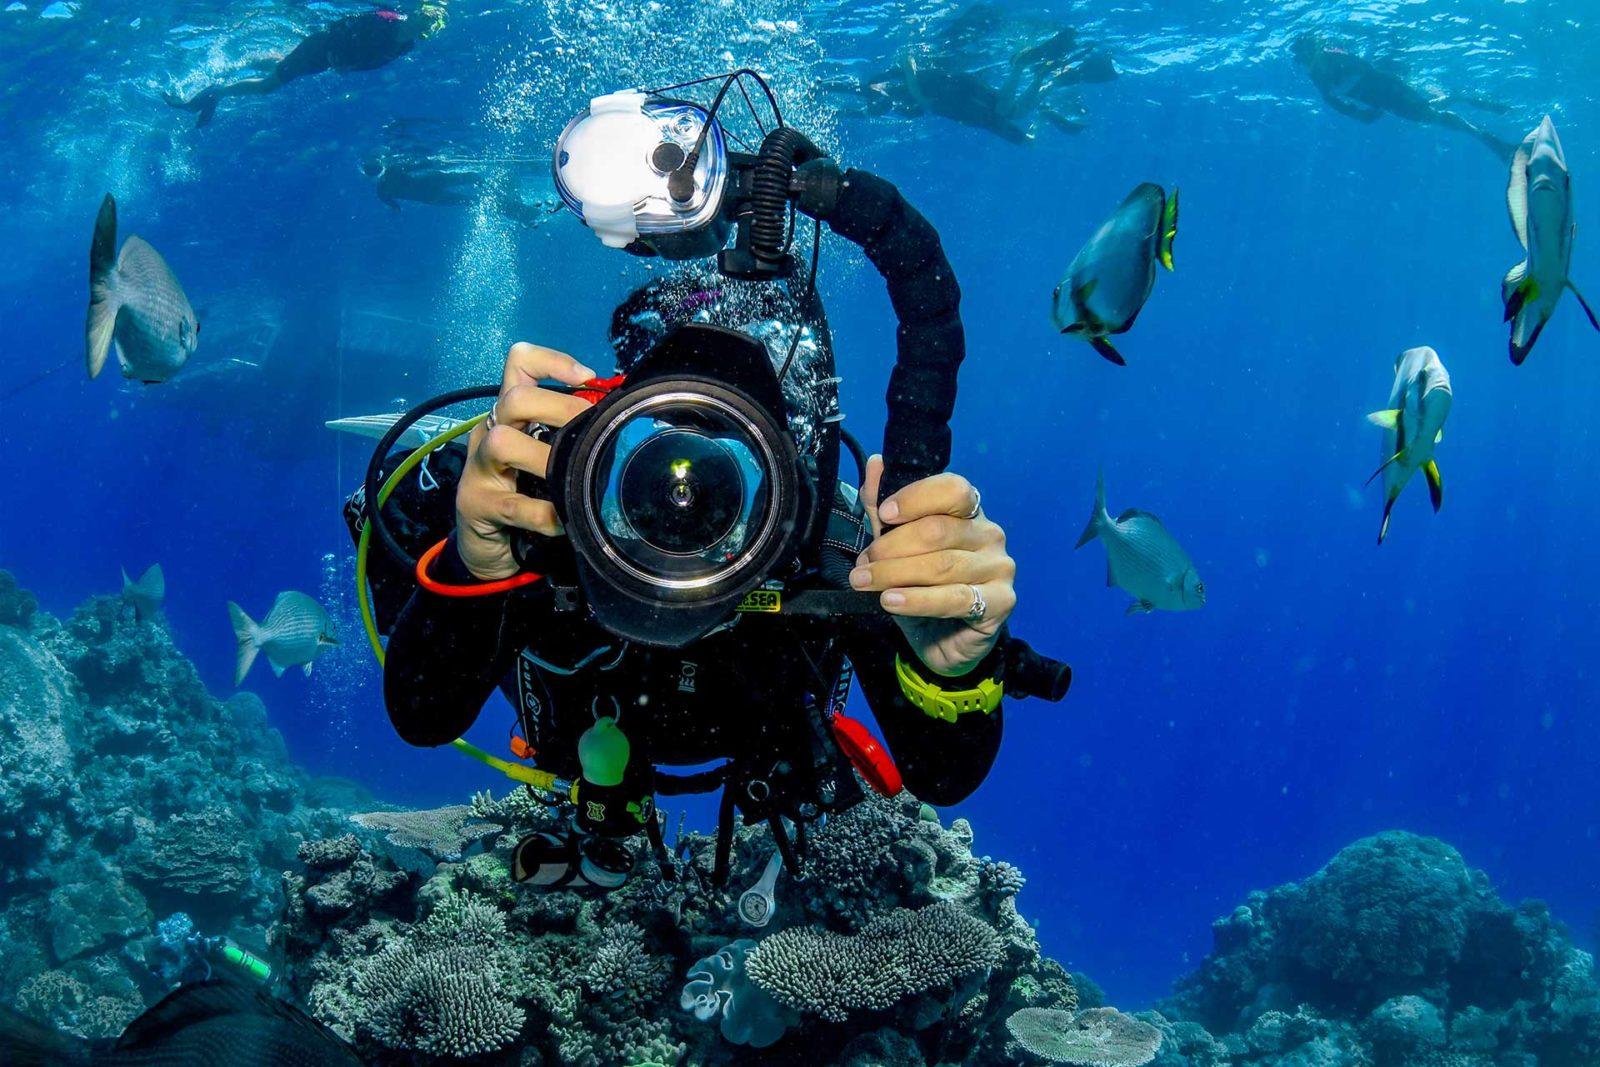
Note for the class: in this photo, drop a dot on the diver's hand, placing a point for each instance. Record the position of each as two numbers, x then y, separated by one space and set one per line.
928 564
488 506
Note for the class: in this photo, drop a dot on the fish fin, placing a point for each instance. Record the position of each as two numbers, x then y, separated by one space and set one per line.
308 670
1387 419
1140 607
152 583
1091 531
1517 192
103 302
1102 346
1137 513
1587 310
1430 470
198 1002
1438 438
1519 294
26 1043
1169 229
277 668
1383 466
1519 353
1080 295
1508 285
248 635
1388 506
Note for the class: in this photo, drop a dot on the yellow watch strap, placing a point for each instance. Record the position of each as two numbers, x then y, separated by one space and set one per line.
947 704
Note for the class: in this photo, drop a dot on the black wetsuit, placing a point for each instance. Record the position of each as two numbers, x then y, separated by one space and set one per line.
366 41
740 694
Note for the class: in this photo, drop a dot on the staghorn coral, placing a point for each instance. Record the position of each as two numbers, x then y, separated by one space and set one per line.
894 957
1096 1037
435 999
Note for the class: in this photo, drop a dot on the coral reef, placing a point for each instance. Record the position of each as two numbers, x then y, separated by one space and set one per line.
1394 954
127 794
1094 1037
899 947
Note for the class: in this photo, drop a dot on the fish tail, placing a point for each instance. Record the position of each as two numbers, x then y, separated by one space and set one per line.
1388 506
25 1043
1169 228
249 637
103 302
153 582
1091 531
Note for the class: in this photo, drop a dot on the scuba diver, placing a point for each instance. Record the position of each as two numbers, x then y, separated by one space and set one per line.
421 181
945 86
665 568
364 41
1364 91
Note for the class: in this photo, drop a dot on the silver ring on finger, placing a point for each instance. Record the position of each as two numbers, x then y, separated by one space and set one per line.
491 421
977 504
979 608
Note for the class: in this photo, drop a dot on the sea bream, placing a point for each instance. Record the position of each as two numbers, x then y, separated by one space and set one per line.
1111 277
1539 197
295 632
136 305
1413 426
1143 559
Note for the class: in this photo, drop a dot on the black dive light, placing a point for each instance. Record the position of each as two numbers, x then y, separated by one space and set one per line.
681 491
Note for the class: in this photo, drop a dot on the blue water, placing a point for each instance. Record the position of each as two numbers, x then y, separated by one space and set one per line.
1442 683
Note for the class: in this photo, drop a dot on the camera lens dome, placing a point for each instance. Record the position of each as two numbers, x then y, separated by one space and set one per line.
681 492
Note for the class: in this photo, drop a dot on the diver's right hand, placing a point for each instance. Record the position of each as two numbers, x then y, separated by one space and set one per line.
488 506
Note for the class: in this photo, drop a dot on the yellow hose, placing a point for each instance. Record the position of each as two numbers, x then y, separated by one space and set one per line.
529 775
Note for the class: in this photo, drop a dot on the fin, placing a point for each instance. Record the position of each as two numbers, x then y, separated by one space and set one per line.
1091 531
1517 192
26 1043
1524 290
1387 419
1079 297
1438 438
1388 506
277 668
1383 466
1137 513
199 1002
308 670
1169 229
152 583
1111 355
1140 607
1587 310
249 637
103 302
1430 470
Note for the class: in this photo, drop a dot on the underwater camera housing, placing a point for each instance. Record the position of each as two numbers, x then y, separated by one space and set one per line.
680 491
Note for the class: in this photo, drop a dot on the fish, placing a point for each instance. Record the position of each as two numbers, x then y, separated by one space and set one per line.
1539 198
416 435
1111 277
137 305
295 632
217 1023
147 593
1143 559
1413 426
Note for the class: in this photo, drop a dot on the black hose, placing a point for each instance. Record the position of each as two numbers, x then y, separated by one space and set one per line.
781 151
374 481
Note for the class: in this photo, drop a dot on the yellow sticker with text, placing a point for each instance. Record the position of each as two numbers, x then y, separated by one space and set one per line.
764 600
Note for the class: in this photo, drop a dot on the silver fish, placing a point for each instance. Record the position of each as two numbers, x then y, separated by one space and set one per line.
295 632
1111 277
1539 197
1143 559
136 303
1413 424
416 435
147 593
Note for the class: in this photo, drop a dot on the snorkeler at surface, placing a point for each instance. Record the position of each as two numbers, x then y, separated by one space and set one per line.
365 41
740 693
1364 91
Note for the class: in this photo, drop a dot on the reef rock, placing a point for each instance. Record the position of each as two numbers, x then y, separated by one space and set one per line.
128 794
1394 954
899 947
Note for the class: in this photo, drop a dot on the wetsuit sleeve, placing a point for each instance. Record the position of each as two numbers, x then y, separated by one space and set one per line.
942 762
445 654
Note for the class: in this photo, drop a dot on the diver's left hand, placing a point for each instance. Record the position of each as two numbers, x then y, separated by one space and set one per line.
928 564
